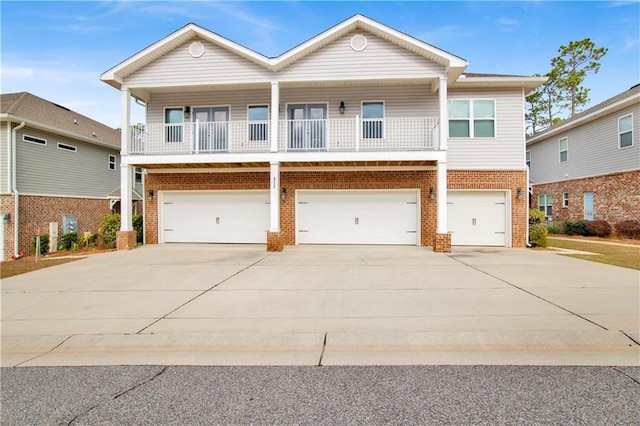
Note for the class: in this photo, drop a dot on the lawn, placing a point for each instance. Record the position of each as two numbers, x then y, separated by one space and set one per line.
626 257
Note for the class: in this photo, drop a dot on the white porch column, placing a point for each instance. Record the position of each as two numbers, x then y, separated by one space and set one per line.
275 110
126 181
442 198
444 113
274 192
126 121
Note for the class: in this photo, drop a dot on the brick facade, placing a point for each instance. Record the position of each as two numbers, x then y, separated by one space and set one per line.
442 243
126 240
293 180
38 212
616 197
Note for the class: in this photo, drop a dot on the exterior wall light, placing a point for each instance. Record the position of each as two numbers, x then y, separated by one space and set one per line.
283 194
342 107
519 193
6 217
432 193
150 195
187 112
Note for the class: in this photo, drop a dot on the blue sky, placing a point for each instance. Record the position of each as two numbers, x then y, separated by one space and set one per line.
57 50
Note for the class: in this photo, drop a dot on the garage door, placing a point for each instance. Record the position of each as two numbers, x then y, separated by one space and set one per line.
357 217
215 216
476 218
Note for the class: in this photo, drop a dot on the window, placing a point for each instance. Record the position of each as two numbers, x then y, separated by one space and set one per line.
545 202
625 131
66 147
112 162
528 159
563 148
472 118
34 139
258 132
565 199
173 118
373 120
137 174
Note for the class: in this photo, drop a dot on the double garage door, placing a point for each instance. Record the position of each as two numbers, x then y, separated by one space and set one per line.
322 217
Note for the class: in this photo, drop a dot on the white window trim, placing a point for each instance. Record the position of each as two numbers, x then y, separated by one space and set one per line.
546 196
471 118
620 133
33 142
560 150
69 148
137 171
527 154
565 200
164 113
249 122
383 119
109 162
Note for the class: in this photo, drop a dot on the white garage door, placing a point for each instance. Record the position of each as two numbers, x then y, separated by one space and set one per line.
215 216
357 217
477 218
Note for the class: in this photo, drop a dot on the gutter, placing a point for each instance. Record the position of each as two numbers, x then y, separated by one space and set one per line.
14 189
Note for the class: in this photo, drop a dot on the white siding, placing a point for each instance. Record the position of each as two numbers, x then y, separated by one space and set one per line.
179 68
506 150
48 170
593 150
381 59
400 101
4 160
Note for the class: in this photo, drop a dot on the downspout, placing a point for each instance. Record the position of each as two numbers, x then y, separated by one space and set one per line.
14 188
527 222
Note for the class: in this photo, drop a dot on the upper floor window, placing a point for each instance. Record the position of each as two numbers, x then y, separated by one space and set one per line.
67 147
625 131
545 204
137 174
259 131
34 139
173 118
373 120
528 159
472 118
112 162
563 149
565 199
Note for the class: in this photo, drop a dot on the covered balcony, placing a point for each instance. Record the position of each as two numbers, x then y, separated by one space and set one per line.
302 135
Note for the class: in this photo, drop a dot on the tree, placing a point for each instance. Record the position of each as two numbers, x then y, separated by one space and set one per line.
545 105
575 61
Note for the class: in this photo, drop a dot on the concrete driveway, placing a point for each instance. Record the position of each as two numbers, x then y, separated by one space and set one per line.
322 305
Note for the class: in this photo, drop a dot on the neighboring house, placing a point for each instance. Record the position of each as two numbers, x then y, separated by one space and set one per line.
58 165
588 167
360 135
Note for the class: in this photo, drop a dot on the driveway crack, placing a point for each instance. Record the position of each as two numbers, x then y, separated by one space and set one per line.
528 292
630 338
203 292
626 375
324 346
48 352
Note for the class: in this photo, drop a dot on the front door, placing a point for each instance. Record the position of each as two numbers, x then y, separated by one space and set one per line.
588 206
211 129
307 126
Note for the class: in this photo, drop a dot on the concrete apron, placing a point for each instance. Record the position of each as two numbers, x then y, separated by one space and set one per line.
237 305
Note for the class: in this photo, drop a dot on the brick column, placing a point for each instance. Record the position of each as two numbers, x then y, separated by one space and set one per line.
275 242
442 243
126 240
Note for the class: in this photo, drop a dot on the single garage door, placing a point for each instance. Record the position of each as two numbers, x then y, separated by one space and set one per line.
357 217
477 218
215 216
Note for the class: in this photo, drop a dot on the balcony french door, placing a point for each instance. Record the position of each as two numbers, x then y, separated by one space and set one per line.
211 129
307 126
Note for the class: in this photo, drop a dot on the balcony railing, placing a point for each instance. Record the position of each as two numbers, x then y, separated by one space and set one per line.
387 134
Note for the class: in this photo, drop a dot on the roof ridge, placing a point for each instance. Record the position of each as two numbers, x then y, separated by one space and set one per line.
17 102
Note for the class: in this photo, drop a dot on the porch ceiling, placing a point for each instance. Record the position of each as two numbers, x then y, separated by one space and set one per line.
292 165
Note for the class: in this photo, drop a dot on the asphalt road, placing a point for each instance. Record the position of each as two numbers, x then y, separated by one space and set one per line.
157 395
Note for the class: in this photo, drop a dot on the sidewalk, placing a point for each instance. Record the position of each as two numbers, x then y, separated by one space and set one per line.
580 240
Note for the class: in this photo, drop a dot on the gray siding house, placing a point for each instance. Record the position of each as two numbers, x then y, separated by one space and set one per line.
588 167
359 135
55 166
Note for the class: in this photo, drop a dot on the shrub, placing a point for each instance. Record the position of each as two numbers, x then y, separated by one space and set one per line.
108 227
69 239
628 229
551 229
535 216
139 227
538 235
578 227
44 243
89 240
599 228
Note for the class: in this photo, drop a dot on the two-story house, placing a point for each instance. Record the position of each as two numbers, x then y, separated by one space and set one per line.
360 135
588 167
56 166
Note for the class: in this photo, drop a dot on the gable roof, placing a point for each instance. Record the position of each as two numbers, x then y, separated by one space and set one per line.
611 105
115 75
41 113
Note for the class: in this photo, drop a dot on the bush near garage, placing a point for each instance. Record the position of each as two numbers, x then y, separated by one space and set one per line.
628 229
599 228
579 227
537 228
108 227
69 239
44 243
138 226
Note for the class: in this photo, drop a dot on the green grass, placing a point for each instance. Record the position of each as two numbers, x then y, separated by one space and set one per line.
626 257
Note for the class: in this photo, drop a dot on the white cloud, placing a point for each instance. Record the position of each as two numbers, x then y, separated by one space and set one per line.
507 24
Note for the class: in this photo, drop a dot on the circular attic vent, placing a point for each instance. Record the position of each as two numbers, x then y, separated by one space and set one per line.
196 49
358 42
